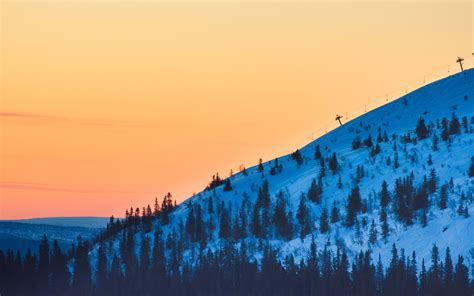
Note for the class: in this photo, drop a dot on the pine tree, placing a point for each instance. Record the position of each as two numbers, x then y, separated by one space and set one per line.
435 141
333 164
81 283
454 126
323 221
156 210
101 273
59 277
255 226
373 233
353 206
200 231
144 268
368 142
443 197
302 214
260 166
191 224
313 192
424 217
280 218
227 185
433 180
445 134
461 279
224 225
43 265
115 276
471 168
317 153
448 276
356 144
384 195
421 197
421 130
322 168
296 156
334 213
166 208
384 221
210 207
158 263
263 199
435 272
379 135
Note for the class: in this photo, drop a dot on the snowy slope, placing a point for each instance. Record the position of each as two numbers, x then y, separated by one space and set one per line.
445 227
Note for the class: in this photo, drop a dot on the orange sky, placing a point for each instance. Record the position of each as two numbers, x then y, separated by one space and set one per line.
108 104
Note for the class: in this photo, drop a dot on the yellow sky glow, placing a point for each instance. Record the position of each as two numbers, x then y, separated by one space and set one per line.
108 104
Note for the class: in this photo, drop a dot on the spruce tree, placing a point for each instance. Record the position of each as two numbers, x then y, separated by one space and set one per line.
200 231
115 276
421 130
260 166
227 185
354 205
384 195
373 233
448 276
191 224
280 218
322 168
323 221
435 141
313 192
224 225
333 164
101 279
255 225
334 213
454 125
433 180
384 221
317 153
461 279
158 263
43 265
59 277
302 214
443 197
296 156
210 207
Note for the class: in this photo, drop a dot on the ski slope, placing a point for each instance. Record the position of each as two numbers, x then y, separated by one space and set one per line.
445 228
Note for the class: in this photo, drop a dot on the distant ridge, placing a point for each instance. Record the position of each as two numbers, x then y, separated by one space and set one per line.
86 221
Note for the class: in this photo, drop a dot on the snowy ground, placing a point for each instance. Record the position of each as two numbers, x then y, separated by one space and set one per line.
445 228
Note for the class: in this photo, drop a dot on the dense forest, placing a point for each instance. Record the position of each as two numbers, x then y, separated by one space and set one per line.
226 271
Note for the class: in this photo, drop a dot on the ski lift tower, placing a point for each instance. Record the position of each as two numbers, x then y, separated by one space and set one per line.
460 60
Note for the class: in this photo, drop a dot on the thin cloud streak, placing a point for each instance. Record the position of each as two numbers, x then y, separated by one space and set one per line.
43 187
53 118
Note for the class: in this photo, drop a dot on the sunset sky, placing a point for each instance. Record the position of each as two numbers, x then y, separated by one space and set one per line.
107 104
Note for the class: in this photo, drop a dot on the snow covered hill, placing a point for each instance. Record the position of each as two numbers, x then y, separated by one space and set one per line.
381 145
